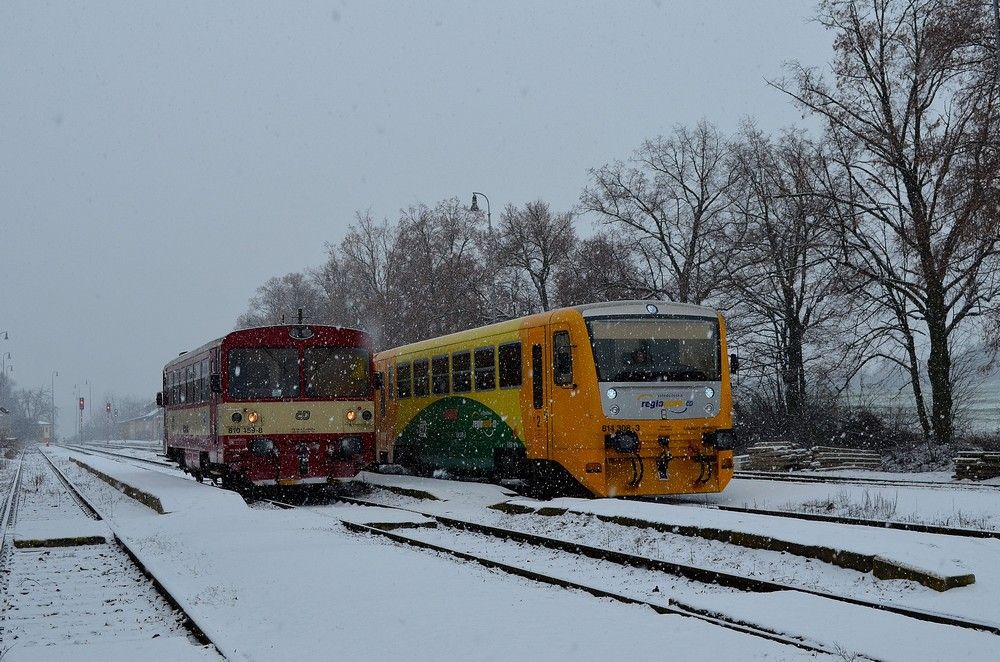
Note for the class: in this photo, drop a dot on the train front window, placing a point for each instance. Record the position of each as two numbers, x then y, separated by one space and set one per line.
337 372
658 349
263 373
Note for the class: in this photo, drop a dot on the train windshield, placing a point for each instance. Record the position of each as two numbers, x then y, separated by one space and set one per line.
660 349
263 373
337 372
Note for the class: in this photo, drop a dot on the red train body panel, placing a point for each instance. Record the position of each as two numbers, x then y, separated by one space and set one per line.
278 405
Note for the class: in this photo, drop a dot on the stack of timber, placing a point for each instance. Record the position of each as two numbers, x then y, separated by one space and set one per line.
828 457
777 456
977 465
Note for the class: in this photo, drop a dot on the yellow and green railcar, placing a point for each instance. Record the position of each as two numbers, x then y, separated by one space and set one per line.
622 398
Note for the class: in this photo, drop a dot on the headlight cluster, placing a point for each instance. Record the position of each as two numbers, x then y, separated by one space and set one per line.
252 417
352 415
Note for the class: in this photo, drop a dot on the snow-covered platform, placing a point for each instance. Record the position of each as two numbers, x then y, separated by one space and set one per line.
475 494
888 554
162 492
61 533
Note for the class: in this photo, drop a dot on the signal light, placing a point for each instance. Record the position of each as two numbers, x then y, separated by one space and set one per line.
107 407
81 404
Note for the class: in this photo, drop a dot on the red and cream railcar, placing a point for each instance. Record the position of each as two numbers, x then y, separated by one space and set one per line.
277 405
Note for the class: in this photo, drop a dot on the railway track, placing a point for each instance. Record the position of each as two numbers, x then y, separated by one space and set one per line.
850 480
673 606
84 593
90 450
856 521
705 576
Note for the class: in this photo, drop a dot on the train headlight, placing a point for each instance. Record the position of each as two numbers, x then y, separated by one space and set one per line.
709 408
252 417
351 415
262 447
237 417
612 394
366 415
709 392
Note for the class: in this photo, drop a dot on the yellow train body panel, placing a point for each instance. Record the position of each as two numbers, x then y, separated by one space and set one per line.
650 438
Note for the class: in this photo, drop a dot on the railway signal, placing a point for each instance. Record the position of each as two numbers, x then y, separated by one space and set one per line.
81 404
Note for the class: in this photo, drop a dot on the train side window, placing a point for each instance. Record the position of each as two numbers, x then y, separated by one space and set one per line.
509 358
420 378
461 372
175 391
198 396
206 393
182 376
439 375
537 388
562 359
403 389
392 380
486 369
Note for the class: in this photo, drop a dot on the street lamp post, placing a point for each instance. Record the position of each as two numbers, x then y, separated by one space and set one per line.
474 207
52 414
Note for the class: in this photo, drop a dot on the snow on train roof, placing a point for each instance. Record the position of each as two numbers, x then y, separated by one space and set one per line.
212 343
644 307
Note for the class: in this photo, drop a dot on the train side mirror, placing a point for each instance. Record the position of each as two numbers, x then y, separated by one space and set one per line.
215 383
159 398
734 363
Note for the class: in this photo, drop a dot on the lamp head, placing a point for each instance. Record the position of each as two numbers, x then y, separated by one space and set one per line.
475 203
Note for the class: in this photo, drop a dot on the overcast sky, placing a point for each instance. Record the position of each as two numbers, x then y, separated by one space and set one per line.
160 160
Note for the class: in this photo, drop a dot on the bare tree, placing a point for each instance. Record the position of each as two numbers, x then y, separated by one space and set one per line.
279 298
600 268
915 127
537 242
791 298
437 282
671 197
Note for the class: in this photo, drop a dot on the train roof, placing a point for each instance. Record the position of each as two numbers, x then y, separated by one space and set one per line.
275 331
638 307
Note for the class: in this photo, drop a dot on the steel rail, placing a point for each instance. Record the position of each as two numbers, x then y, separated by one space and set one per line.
10 504
92 451
695 573
851 480
190 623
857 521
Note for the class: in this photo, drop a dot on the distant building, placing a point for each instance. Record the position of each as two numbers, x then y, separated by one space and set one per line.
147 427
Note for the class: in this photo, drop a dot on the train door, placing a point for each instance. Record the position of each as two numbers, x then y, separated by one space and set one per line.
213 398
564 407
535 394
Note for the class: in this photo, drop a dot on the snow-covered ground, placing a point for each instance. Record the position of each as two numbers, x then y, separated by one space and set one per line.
267 582
83 601
960 506
271 584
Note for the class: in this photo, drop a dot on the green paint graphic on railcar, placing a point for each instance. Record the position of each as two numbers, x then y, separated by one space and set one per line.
456 433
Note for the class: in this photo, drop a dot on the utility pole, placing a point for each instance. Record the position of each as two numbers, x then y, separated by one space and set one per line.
52 414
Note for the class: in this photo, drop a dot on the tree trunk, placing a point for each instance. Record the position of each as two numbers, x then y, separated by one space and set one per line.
939 369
